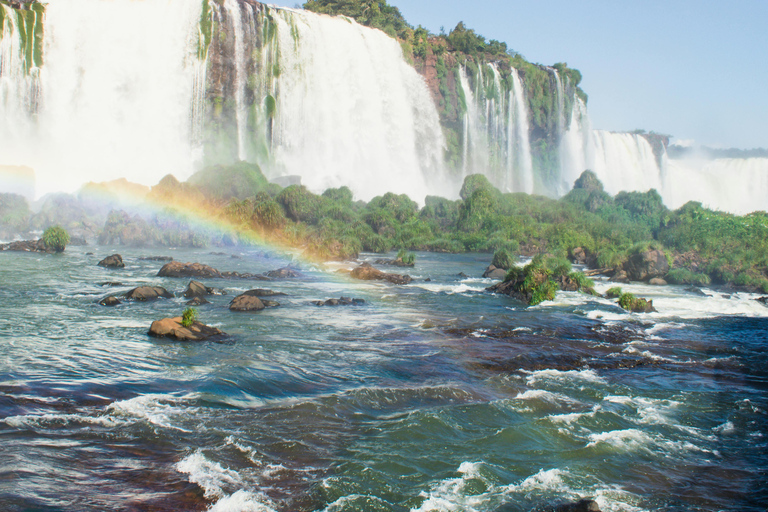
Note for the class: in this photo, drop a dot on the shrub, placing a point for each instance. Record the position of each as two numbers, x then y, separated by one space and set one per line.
503 259
299 204
55 238
614 293
635 304
685 276
406 257
269 214
188 317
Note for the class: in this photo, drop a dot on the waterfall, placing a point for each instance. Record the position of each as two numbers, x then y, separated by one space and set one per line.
496 139
95 90
349 110
625 161
116 93
575 142
522 145
736 185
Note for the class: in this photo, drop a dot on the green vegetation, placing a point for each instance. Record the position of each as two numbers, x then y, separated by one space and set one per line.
635 304
188 317
408 258
540 280
55 238
503 259
614 292
371 13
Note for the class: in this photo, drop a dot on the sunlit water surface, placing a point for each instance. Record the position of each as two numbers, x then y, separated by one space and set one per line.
432 396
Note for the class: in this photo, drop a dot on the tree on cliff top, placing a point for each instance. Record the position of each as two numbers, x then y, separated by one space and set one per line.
371 13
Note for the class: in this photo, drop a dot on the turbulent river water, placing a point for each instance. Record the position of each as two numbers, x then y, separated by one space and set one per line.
432 396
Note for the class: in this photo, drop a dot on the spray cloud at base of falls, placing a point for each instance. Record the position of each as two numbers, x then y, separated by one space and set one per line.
93 90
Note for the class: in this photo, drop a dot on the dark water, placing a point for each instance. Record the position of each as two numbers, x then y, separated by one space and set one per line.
432 396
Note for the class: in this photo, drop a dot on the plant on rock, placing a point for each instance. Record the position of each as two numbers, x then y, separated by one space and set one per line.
55 238
188 317
408 258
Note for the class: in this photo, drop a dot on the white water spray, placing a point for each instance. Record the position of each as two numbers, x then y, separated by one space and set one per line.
117 88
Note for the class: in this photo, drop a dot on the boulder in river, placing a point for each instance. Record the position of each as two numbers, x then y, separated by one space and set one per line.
179 269
583 505
657 281
762 300
147 293
172 328
109 301
198 289
113 261
26 246
246 303
261 292
494 272
645 265
620 276
284 273
197 301
342 301
366 272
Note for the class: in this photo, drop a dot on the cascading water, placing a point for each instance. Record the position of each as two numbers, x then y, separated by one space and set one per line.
116 87
629 153
108 89
522 146
496 129
737 185
335 103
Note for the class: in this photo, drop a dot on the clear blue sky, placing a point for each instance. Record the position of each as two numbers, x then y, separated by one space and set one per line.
695 69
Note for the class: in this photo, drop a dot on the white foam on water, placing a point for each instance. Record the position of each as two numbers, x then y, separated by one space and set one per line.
649 355
544 396
49 421
241 501
628 440
450 289
649 410
672 302
159 410
215 480
726 428
573 417
576 376
449 495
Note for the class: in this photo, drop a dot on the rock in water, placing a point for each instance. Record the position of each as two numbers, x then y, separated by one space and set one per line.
583 505
644 266
109 301
197 301
114 261
145 293
493 272
284 273
172 328
261 292
198 289
368 273
342 301
657 281
26 246
179 269
246 303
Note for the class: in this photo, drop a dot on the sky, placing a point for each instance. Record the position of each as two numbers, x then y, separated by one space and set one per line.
693 69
